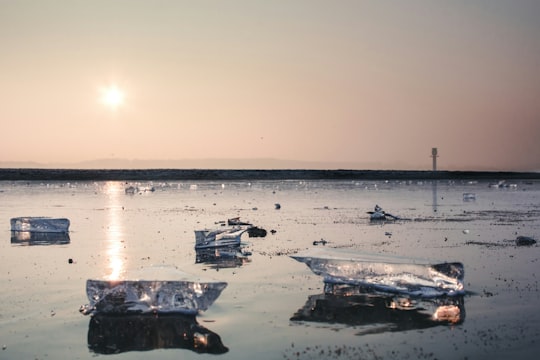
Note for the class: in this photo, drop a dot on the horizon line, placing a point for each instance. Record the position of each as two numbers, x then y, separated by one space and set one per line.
235 164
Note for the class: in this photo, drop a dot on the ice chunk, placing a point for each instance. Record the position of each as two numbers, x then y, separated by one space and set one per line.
40 224
163 290
384 273
378 214
219 237
117 334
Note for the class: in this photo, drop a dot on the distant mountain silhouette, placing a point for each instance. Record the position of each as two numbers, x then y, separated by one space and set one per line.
248 164
238 164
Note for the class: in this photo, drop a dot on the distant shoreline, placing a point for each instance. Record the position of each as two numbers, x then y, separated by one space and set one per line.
25 174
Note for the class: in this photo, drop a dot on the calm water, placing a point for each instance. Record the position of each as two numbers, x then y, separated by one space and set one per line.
113 233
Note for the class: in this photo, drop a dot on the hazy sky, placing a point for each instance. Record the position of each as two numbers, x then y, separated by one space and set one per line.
368 82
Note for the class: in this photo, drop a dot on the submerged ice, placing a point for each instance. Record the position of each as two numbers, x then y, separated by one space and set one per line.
384 273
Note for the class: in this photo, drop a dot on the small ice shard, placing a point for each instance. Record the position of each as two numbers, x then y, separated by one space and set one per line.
379 214
40 224
384 273
219 237
155 290
237 222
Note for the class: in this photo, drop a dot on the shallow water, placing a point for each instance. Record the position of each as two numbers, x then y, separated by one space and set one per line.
113 234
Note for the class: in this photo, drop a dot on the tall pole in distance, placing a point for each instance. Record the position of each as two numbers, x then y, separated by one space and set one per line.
434 156
434 183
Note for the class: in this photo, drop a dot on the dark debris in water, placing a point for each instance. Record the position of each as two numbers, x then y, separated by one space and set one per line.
487 244
365 351
525 241
519 241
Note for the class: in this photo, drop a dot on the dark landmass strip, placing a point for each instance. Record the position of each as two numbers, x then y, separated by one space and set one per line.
225 174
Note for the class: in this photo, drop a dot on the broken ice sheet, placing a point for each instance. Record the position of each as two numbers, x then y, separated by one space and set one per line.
40 224
384 273
220 237
159 289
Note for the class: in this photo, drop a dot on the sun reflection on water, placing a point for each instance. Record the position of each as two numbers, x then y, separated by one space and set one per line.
114 231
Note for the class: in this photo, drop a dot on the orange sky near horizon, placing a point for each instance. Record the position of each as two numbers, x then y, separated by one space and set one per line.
362 82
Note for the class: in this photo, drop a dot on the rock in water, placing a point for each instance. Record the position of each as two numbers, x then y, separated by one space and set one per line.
525 241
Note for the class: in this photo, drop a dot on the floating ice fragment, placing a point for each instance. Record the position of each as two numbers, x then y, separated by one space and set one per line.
384 273
40 224
220 237
237 222
378 214
155 290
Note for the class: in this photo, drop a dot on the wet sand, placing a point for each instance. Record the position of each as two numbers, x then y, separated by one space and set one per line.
112 232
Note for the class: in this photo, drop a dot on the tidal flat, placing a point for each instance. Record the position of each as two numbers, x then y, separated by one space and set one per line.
257 315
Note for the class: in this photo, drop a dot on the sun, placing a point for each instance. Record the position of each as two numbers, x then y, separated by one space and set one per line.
112 96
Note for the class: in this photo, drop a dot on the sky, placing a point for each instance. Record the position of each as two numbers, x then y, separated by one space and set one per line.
367 84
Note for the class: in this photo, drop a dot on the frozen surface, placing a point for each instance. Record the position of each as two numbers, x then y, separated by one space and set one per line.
115 235
169 291
40 224
384 272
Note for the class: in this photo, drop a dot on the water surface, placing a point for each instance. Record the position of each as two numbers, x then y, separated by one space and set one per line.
113 233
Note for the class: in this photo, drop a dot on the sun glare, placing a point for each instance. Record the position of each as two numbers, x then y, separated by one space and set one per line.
112 96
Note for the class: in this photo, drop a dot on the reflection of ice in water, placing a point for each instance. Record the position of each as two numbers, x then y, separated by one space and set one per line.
117 334
373 312
39 238
385 273
115 230
222 257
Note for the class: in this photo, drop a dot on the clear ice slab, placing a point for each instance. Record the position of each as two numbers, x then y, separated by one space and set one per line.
40 224
384 273
154 290
220 237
